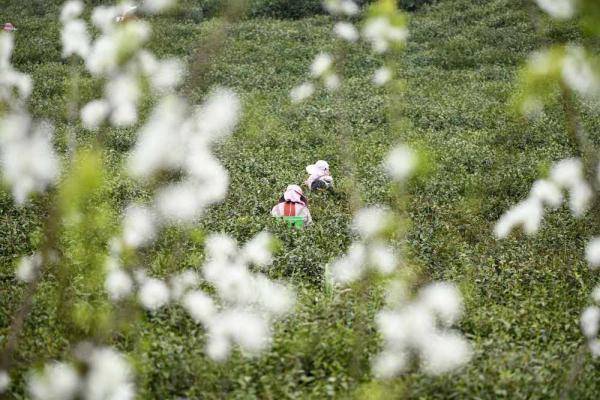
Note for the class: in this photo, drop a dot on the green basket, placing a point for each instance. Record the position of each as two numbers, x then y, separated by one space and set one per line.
297 222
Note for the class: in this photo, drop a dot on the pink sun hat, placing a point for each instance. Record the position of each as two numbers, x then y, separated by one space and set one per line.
8 27
294 194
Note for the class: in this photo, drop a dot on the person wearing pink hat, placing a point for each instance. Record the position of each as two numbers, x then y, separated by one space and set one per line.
293 203
8 27
319 176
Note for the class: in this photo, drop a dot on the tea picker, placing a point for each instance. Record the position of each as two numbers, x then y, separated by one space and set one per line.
319 176
293 207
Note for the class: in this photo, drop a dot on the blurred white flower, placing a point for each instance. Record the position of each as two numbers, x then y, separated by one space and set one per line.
167 75
71 10
183 282
139 226
590 321
341 7
118 284
27 158
578 73
592 252
179 202
75 39
109 376
200 306
332 82
155 6
567 171
370 221
258 250
219 114
442 299
400 162
580 197
445 352
4 381
382 76
559 9
122 93
94 113
411 328
104 17
547 193
346 31
388 364
247 330
528 214
351 266
380 33
321 64
29 267
58 381
153 294
302 92
382 257
596 295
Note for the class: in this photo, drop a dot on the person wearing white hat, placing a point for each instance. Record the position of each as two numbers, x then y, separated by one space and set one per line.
293 203
319 176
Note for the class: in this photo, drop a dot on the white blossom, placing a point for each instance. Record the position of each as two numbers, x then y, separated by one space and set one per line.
559 9
370 221
382 76
444 300
547 193
380 33
332 82
27 158
29 267
4 381
71 10
527 214
122 93
567 171
118 284
321 64
382 257
577 72
400 162
411 328
596 295
219 114
258 250
346 31
183 282
341 7
109 376
302 92
155 6
153 294
226 328
580 197
445 352
75 39
139 226
592 252
351 266
590 321
94 113
58 381
200 306
167 75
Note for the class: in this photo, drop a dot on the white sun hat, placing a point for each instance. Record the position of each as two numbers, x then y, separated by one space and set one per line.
317 168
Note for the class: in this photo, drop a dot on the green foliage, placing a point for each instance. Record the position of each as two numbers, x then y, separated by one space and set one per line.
523 296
